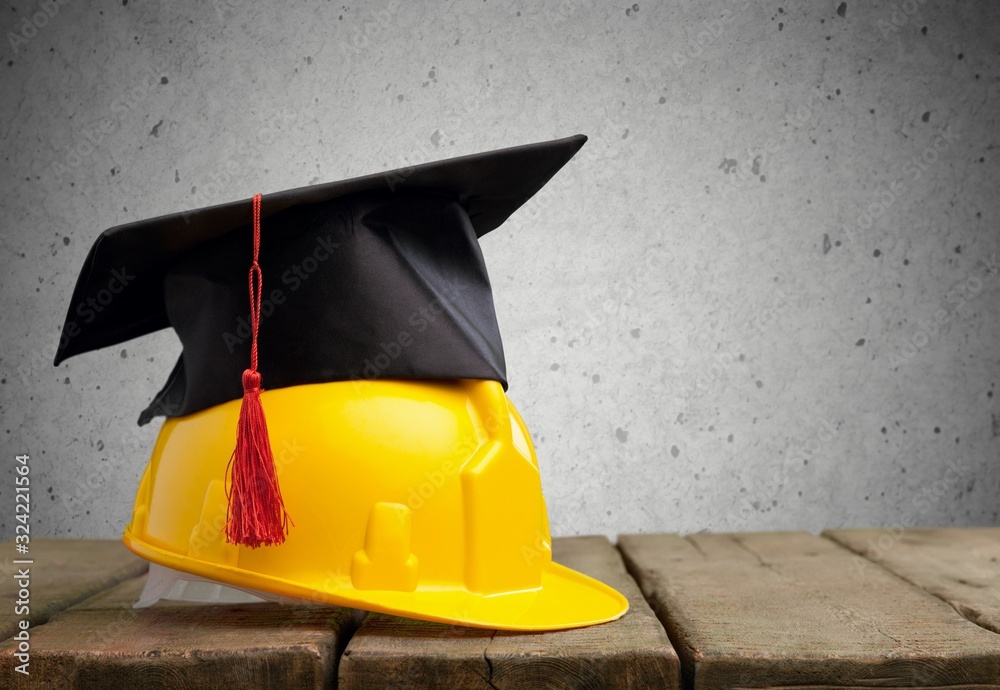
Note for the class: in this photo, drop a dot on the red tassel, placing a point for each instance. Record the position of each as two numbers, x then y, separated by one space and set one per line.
257 514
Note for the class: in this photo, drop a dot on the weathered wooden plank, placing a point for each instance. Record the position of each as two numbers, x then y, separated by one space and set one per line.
632 652
959 565
392 652
64 572
105 643
795 610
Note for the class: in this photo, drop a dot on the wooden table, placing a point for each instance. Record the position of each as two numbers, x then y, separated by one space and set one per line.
846 609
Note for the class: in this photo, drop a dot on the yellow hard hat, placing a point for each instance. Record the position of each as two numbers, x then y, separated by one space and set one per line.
421 499
383 466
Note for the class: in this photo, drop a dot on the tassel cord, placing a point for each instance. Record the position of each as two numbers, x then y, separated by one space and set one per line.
256 513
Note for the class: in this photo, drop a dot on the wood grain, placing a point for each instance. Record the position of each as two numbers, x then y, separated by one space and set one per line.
959 565
792 610
632 652
64 572
105 643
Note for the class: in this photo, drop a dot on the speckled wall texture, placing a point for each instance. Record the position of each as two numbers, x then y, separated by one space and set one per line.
763 296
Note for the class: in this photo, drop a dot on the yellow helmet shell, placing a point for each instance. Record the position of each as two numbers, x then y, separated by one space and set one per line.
416 498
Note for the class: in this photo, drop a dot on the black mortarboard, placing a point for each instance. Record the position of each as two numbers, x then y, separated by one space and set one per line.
377 276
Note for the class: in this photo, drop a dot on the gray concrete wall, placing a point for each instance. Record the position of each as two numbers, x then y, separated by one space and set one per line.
764 296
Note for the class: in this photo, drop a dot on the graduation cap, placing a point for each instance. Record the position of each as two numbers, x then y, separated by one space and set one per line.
374 277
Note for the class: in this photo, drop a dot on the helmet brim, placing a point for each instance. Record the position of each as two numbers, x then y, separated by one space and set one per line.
565 599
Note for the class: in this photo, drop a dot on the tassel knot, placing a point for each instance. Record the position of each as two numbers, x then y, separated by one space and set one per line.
251 381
